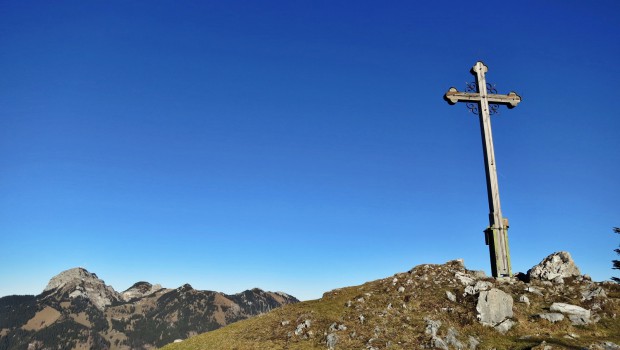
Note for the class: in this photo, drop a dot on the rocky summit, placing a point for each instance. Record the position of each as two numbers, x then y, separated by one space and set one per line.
443 307
77 310
78 282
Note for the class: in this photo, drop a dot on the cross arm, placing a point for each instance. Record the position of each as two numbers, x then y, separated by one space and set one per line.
453 96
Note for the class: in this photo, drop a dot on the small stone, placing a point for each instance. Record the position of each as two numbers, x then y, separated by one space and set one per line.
533 290
303 326
432 326
451 296
285 323
542 346
332 340
524 299
401 289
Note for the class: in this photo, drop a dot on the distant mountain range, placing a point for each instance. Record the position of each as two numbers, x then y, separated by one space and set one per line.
77 310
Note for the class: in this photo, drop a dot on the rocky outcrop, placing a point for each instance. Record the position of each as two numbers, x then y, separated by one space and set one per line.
78 282
555 267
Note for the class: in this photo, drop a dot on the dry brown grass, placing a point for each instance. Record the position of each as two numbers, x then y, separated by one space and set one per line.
396 319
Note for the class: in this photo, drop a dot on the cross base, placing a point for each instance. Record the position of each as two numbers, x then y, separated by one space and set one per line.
495 237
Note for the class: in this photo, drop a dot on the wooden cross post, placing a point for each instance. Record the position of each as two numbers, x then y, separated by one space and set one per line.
496 235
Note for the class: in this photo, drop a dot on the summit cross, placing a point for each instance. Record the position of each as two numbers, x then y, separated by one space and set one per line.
496 235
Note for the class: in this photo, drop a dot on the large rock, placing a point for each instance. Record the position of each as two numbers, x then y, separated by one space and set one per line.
556 265
576 314
494 306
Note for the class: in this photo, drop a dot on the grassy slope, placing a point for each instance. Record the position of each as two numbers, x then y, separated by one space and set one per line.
396 319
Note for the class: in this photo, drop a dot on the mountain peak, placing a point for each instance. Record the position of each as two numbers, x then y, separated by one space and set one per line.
185 288
72 275
139 290
78 282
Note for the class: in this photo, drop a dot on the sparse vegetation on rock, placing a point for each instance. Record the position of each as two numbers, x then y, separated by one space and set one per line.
416 310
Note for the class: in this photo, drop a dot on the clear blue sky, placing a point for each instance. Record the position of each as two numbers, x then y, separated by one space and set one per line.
299 146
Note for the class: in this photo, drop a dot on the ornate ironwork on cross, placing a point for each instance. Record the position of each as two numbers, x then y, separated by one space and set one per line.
482 98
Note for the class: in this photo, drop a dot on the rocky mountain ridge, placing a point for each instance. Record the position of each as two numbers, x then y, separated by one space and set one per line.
77 310
552 306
